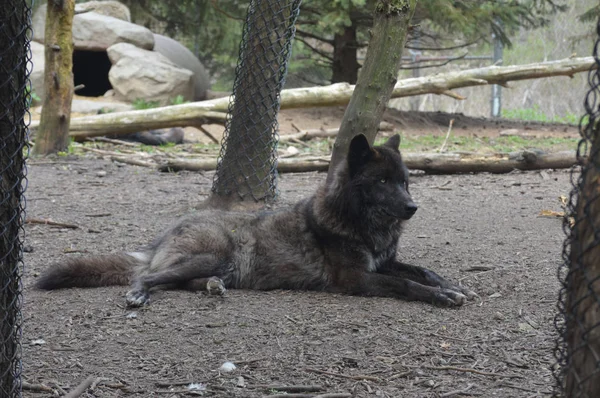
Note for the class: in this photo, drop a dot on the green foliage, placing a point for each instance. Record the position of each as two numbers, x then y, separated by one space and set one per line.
432 143
140 104
178 100
473 19
534 114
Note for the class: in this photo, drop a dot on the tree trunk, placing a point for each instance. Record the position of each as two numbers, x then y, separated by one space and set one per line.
345 65
248 159
582 306
14 19
53 134
377 77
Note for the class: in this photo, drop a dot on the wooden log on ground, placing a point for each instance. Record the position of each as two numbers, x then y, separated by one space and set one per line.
453 163
213 111
433 163
121 123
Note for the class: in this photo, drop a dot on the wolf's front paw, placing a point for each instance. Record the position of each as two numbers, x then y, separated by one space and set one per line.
137 298
471 295
215 286
449 298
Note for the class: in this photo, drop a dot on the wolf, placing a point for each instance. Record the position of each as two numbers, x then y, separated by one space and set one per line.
343 239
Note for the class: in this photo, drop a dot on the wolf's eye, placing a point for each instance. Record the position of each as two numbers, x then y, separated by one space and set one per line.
383 180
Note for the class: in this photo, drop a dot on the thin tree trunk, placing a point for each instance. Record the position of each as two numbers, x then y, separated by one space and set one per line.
53 134
345 65
248 157
582 304
377 76
14 18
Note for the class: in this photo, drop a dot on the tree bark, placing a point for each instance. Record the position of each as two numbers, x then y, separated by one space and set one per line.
345 48
582 306
247 162
377 77
14 20
213 111
53 134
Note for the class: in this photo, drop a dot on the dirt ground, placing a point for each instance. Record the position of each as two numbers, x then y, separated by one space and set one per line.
482 230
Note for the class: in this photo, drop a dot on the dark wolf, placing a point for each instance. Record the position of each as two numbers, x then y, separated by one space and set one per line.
343 239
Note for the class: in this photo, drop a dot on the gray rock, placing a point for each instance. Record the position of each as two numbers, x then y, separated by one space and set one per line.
80 105
141 74
109 8
95 32
184 58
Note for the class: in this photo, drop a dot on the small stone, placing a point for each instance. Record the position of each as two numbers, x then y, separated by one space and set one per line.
101 173
498 316
495 295
227 367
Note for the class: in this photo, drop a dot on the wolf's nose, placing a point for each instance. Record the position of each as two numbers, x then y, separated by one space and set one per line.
410 209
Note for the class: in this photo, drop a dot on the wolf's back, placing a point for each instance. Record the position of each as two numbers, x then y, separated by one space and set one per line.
106 270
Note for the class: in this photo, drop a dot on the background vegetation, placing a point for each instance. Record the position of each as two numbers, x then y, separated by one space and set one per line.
332 37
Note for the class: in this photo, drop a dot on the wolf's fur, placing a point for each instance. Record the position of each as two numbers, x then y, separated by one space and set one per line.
342 239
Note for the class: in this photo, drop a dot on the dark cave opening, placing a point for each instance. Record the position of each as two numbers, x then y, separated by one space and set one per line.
90 68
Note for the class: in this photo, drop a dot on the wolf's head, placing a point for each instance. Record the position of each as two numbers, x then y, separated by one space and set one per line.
379 179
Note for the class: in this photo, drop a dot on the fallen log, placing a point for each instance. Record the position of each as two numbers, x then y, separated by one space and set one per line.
283 165
213 111
433 163
454 163
121 123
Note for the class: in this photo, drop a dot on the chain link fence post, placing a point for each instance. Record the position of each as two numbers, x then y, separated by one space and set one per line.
15 64
247 165
577 351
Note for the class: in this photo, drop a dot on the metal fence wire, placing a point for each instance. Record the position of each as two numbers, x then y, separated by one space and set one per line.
577 351
247 165
15 64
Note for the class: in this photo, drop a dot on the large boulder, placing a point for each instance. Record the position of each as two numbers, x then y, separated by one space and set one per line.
141 74
37 73
109 8
95 32
183 57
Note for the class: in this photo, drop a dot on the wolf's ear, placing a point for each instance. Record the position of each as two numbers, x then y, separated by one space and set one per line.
360 152
393 142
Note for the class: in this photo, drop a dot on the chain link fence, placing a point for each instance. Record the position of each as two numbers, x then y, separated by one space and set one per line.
247 165
14 99
578 321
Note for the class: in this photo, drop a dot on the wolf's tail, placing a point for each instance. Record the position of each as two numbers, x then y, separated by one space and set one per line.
106 270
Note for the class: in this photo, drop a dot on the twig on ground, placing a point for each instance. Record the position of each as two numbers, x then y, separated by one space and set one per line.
334 395
114 141
81 388
456 392
299 388
477 268
468 370
134 162
208 134
36 387
30 220
352 377
167 383
97 381
443 148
